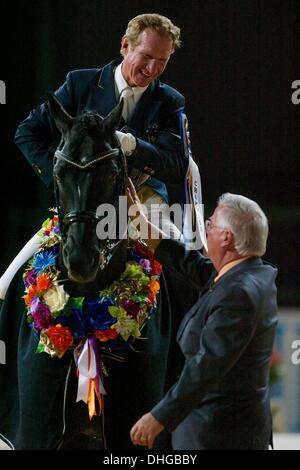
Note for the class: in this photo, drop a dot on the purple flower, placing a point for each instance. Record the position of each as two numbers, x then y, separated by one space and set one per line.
132 308
56 229
40 313
146 264
30 279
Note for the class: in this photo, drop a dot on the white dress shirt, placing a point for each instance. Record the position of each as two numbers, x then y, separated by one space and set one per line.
131 95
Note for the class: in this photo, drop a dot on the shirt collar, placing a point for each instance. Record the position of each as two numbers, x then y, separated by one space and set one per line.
121 84
228 266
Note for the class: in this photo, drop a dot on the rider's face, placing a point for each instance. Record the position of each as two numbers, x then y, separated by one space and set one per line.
148 59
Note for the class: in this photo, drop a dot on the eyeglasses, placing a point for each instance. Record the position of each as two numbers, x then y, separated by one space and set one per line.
209 226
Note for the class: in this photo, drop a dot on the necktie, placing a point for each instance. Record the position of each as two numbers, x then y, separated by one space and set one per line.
129 103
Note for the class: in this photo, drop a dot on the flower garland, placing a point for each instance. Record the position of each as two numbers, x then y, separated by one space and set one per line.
112 320
115 317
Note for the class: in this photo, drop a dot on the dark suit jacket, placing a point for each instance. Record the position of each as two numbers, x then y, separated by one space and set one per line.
221 399
155 123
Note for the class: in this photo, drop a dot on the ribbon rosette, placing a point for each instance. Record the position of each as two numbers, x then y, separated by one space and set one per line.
87 359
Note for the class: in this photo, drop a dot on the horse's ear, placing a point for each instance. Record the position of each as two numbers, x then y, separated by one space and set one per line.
62 119
111 122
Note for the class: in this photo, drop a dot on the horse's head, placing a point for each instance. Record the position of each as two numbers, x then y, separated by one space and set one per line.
89 169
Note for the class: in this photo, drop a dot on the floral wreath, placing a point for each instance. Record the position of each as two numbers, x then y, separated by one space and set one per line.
112 320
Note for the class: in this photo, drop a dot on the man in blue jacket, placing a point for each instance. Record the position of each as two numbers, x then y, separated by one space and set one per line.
149 131
150 137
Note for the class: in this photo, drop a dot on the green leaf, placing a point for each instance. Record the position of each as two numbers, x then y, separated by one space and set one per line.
139 298
40 348
46 222
117 312
77 302
72 302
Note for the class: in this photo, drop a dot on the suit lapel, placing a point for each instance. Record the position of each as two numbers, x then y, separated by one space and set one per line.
103 98
104 95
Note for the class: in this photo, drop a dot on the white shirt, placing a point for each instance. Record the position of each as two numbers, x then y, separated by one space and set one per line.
132 95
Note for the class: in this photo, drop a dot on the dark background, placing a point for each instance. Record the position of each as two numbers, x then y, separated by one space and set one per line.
236 67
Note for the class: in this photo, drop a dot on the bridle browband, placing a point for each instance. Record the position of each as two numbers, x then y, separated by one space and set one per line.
92 216
101 158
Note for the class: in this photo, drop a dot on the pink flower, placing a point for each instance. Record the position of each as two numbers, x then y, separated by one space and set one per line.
40 314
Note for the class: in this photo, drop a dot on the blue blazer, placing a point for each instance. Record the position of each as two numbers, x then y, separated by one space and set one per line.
155 124
221 399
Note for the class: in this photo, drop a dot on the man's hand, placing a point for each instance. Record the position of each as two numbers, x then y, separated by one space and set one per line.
134 201
145 430
151 234
127 141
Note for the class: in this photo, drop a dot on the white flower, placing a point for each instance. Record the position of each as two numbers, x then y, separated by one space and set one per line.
56 298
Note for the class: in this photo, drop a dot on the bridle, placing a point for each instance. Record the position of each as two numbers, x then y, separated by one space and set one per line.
71 217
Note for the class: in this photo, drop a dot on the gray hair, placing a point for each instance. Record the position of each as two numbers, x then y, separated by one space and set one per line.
159 23
247 222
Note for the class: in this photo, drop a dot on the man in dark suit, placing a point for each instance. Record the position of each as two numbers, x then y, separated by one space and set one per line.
149 131
150 137
221 399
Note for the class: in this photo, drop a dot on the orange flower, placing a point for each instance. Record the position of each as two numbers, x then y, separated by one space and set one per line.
60 336
43 282
105 335
32 291
154 286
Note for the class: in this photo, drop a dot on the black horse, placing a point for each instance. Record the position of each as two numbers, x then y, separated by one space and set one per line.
38 408
89 169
